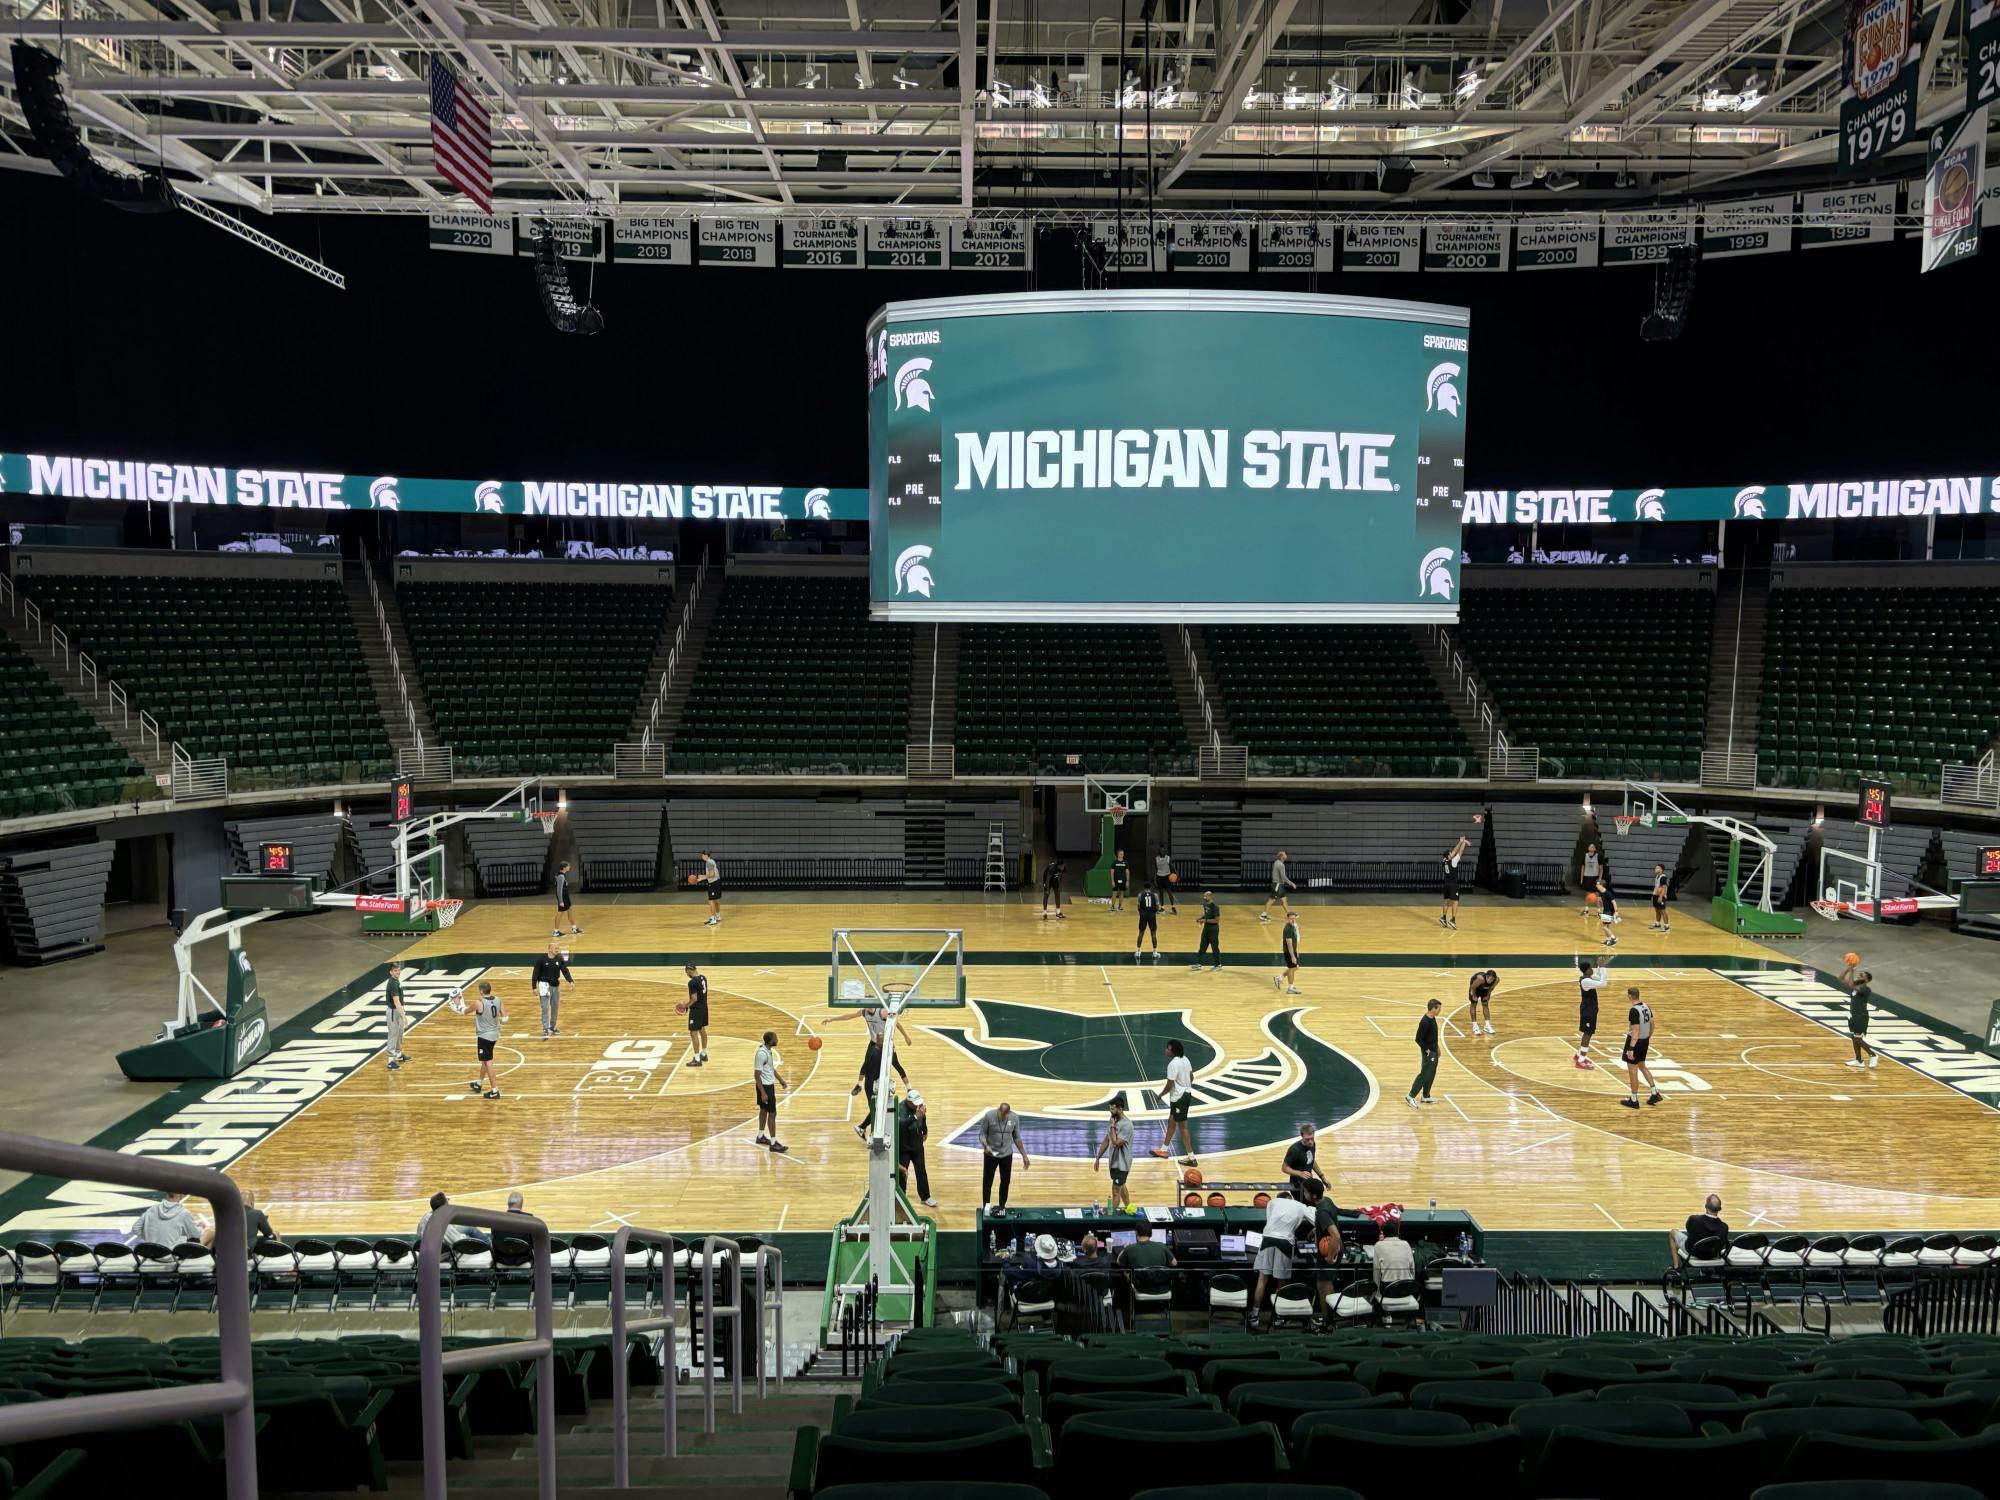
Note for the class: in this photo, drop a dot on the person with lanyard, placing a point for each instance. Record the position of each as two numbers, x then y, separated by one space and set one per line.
1289 946
999 1139
1638 1041
1163 878
1118 1142
1121 873
1149 922
913 1127
696 1010
1281 882
551 973
1177 1093
711 874
1429 1049
1590 979
1052 875
1479 998
1301 1164
392 995
564 902
1857 980
768 1080
1211 934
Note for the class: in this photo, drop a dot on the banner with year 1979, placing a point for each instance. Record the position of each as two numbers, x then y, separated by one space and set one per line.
1878 94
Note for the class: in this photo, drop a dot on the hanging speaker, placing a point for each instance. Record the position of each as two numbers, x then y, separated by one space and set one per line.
38 91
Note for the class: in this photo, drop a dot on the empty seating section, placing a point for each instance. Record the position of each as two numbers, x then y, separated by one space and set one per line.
265 672
771 843
1335 700
1608 682
1031 695
51 751
1386 1414
1340 846
795 677
532 678
1537 839
1895 680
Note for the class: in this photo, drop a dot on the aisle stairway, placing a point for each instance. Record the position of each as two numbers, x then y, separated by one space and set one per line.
686 664
1185 680
1736 668
1436 648
933 683
375 654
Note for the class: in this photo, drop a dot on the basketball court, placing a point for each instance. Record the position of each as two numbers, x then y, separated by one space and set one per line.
608 1124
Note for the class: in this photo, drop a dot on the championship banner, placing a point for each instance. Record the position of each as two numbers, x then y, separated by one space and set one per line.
481 234
1989 201
653 242
1297 244
1878 94
1135 247
1952 189
1203 245
137 482
1827 500
1381 245
1544 244
736 242
1644 237
1748 226
1480 246
1982 56
576 239
906 244
993 245
822 245
1848 216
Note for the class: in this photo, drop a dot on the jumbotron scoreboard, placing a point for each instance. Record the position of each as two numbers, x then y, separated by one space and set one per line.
1167 455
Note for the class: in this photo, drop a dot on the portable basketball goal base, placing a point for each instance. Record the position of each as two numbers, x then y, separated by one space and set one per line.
1743 905
884 1241
1112 799
420 904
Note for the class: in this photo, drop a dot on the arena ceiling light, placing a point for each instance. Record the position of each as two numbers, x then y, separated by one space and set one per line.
903 80
1468 82
814 73
1522 178
1482 179
1559 181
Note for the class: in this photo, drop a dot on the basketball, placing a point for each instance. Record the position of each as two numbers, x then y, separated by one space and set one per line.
1590 898
1850 959
457 1001
1191 1200
681 1009
1192 1177
1217 1200
813 1044
1329 1246
694 880
1173 879
1262 1200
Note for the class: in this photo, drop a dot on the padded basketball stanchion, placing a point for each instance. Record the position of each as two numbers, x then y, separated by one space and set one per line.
1112 799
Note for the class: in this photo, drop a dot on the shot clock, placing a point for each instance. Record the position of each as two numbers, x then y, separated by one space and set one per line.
1987 862
1873 811
274 859
401 804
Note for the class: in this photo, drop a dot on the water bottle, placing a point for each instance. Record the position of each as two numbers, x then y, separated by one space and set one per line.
1097 1208
1464 1245
1434 1205
1014 1245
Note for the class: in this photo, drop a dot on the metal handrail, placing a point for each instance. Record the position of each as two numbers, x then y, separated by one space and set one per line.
708 1316
621 1375
438 1362
389 645
232 1397
674 656
771 1303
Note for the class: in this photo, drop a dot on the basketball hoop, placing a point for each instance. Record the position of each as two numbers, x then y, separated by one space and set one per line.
547 821
1833 911
1117 815
1625 823
447 910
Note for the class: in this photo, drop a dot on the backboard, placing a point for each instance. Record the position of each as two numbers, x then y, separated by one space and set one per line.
903 968
1120 793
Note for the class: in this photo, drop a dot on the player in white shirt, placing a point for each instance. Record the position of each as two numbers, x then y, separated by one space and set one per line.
1177 1093
1281 881
1287 1220
711 875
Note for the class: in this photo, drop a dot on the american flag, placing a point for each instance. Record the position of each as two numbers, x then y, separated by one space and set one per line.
461 136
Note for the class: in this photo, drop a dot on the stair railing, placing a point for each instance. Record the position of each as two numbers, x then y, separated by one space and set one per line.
677 657
621 1327
731 1315
389 645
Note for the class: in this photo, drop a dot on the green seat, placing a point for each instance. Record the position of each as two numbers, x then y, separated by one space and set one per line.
1147 1405
1972 1461
1115 1458
1007 1456
1575 1461
1377 1461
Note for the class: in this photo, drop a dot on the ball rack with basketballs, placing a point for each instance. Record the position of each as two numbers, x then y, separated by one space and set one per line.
1217 1193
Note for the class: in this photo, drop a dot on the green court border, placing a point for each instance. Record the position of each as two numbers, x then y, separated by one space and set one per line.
1623 1254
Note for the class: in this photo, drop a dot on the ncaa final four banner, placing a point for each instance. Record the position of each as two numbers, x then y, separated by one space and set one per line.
1215 455
1952 189
1878 95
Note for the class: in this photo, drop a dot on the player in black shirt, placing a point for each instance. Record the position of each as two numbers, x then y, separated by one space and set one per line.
1638 1042
1052 886
1120 874
1448 912
1211 932
550 973
696 1010
1857 980
392 995
1479 998
1660 886
1588 983
1607 910
1427 1050
1149 921
563 901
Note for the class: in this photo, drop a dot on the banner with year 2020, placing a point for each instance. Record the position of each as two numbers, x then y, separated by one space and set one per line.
480 234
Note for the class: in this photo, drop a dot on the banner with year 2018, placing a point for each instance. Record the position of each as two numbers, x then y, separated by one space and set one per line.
736 242
1878 94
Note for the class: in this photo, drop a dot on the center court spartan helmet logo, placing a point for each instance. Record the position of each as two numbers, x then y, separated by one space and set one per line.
911 573
382 494
1650 506
1439 392
911 385
1434 573
487 497
817 506
1750 503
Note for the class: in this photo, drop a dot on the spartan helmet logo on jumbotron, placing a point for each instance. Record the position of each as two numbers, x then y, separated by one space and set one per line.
1750 503
1439 392
1650 506
382 494
487 497
817 506
1434 573
911 574
911 385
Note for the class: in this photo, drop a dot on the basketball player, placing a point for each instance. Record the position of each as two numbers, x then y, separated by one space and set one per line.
392 995
1448 913
487 1014
1281 882
550 974
1638 1039
711 874
1587 875
563 902
1149 922
1163 877
1211 934
1120 873
877 1017
1857 980
1589 981
1660 899
1289 980
1177 1093
864 1084
1429 1049
1607 909
764 1072
1118 1141
1479 998
1052 886
697 1014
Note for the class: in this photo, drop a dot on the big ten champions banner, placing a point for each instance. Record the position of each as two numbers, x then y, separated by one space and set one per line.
1878 95
1166 455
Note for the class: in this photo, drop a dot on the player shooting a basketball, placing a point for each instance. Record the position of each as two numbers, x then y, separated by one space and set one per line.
1448 911
878 1018
488 1012
1857 981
